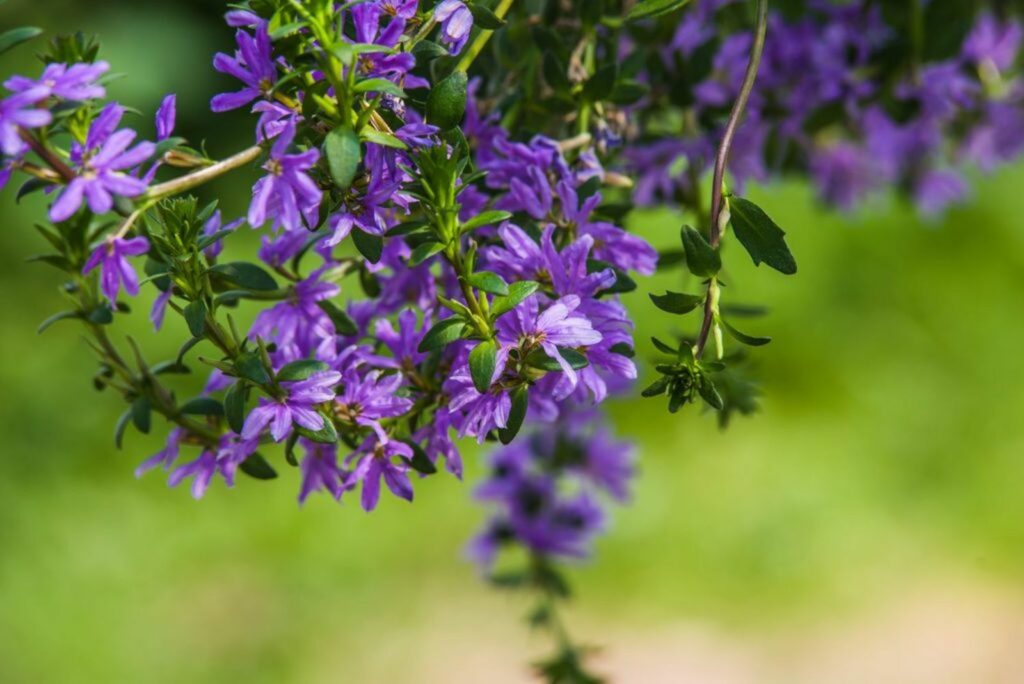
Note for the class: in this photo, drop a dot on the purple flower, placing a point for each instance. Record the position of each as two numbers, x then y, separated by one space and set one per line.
166 457
472 413
16 112
366 400
166 117
274 119
202 470
213 226
253 65
287 195
939 189
297 406
404 342
298 325
554 328
75 82
115 270
456 24
378 462
230 453
994 42
101 163
320 471
159 310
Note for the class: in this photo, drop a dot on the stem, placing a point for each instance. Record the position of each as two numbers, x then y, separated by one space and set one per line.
194 180
470 55
47 155
722 161
735 117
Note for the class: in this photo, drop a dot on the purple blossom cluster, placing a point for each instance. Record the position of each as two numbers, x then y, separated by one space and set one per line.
820 108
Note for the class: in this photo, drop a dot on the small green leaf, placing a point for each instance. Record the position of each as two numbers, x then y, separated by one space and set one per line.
244 274
343 324
446 104
325 435
195 316
101 315
517 293
516 416
381 138
17 36
343 153
538 358
709 393
677 302
748 340
442 334
250 366
420 462
424 251
485 18
202 406
762 238
492 283
600 86
234 405
122 425
379 85
482 363
62 316
653 8
369 245
256 466
486 218
301 370
142 415
657 388
664 348
702 259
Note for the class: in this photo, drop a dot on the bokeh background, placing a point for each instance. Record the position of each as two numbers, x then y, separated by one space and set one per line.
867 526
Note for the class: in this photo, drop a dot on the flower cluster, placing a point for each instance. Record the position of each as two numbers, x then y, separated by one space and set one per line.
842 98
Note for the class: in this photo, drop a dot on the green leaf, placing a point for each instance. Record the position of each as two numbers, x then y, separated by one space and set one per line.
555 72
702 259
653 8
244 274
677 302
343 324
142 415
442 334
657 388
343 153
250 366
486 218
516 416
202 406
424 252
446 104
379 85
325 435
491 283
122 425
101 315
485 18
234 405
301 370
420 462
600 86
14 37
748 340
762 238
709 393
664 348
482 363
257 467
195 316
62 316
517 293
538 358
383 139
369 245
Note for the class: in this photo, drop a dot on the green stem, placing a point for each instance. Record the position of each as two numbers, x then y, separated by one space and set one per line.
477 46
203 176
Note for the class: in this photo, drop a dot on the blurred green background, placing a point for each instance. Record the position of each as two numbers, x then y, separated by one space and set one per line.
868 525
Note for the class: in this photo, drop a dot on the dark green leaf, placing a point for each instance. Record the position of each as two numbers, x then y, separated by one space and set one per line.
677 302
343 153
250 366
325 435
702 259
538 358
748 340
202 406
15 37
485 18
101 315
664 348
62 316
234 405
491 283
517 293
657 388
343 324
516 416
446 104
122 425
300 370
244 274
257 467
600 86
195 316
370 246
442 334
420 462
709 392
653 8
762 238
482 363
142 415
